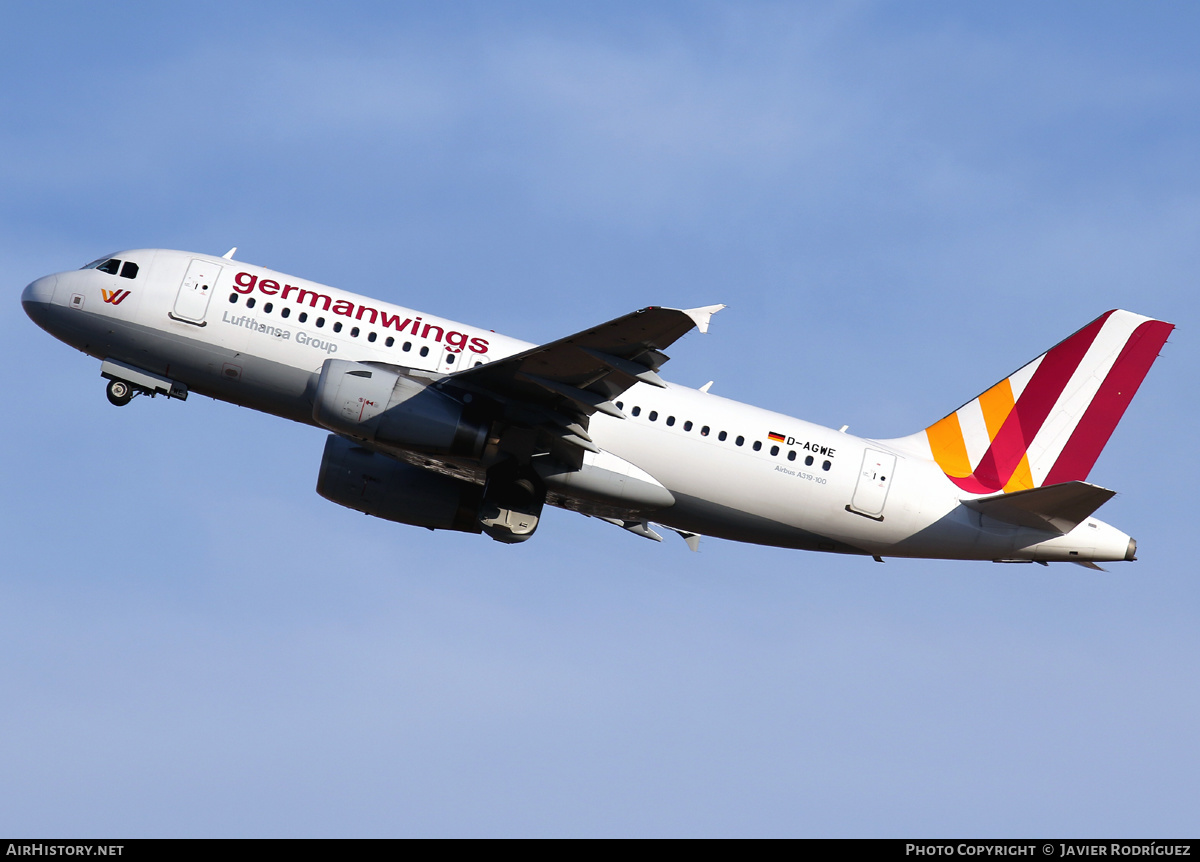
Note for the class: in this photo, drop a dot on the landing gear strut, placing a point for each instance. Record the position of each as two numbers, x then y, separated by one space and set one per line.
512 503
119 392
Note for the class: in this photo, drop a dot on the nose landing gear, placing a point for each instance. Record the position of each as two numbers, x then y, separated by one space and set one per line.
126 381
119 392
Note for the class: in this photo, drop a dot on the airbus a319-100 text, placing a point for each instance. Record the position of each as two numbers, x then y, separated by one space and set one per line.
448 426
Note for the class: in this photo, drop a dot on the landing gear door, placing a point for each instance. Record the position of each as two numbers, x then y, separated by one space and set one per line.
874 479
198 286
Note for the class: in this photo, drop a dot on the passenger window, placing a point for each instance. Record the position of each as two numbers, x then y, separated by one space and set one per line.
320 322
337 326
371 337
450 359
808 460
670 420
267 308
303 316
653 417
636 411
390 341
250 302
826 465
740 440
620 405
687 426
792 455
354 332
774 450
129 270
286 312
233 298
407 346
110 266
424 351
757 445
721 436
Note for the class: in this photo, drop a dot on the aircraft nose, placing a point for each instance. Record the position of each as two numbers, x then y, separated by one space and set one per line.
40 291
37 296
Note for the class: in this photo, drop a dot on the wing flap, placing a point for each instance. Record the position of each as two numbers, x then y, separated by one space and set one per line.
1056 508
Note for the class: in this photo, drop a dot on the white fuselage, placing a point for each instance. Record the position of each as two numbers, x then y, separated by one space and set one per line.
251 336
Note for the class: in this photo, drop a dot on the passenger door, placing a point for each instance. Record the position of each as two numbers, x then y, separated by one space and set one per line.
191 303
874 479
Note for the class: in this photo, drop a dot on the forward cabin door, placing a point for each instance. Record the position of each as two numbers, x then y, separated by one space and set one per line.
874 479
191 304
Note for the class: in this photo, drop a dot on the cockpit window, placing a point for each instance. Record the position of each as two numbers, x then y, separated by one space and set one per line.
114 267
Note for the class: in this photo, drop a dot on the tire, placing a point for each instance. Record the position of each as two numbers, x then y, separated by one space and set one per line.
119 392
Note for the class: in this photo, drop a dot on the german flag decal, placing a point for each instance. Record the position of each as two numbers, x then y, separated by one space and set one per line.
778 438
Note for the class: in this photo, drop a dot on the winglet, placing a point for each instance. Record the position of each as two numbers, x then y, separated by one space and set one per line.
229 254
701 316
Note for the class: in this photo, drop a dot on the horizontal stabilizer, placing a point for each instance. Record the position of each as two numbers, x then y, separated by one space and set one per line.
1056 508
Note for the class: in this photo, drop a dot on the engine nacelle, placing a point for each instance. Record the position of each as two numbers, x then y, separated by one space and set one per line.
382 406
386 488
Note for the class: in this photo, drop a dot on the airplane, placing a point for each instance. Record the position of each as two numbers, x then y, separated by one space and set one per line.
448 426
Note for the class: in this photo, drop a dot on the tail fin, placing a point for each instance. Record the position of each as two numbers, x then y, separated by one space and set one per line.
1047 423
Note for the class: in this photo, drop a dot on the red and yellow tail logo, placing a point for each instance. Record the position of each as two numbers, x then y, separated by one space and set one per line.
1048 422
114 297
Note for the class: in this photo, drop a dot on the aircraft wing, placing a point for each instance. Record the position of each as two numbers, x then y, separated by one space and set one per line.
581 374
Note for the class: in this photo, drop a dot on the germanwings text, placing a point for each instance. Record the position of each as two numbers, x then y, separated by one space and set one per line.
456 342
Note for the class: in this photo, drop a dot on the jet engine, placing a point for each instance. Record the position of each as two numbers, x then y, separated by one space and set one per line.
359 479
379 405
508 508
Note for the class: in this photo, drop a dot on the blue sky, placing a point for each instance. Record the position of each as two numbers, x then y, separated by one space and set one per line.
900 204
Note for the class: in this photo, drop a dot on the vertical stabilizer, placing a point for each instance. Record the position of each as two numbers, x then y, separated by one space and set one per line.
1048 422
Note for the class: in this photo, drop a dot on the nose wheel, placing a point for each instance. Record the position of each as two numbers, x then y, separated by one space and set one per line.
119 392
